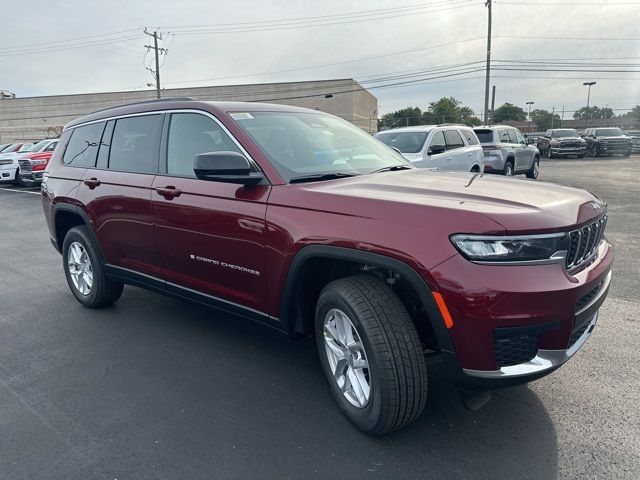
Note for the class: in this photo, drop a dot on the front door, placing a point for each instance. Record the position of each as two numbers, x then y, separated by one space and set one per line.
211 235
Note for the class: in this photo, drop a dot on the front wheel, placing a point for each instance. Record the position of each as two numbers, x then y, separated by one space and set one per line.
549 154
508 169
18 180
535 169
371 354
627 154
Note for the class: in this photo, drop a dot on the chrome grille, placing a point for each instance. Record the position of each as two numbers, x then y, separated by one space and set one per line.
584 242
25 166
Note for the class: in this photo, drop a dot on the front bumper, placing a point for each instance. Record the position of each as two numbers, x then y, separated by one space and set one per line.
559 151
8 173
32 177
614 148
542 302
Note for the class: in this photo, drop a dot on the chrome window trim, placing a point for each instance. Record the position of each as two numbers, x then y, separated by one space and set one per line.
169 111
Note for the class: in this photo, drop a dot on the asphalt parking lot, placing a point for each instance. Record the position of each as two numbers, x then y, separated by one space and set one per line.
160 389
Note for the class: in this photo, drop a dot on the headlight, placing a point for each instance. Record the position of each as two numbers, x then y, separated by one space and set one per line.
508 249
6 162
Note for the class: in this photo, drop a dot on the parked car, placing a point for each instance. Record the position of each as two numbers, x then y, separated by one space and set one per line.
561 142
14 147
635 140
9 163
447 147
33 164
506 151
607 141
302 221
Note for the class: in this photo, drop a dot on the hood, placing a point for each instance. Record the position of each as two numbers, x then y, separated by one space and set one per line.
412 157
569 137
518 205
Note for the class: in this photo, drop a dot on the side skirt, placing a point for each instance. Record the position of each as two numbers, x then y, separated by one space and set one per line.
131 277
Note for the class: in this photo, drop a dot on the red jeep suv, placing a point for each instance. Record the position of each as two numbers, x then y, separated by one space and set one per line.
302 221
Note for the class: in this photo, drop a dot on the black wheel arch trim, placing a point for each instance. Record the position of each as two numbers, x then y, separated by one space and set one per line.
368 258
79 211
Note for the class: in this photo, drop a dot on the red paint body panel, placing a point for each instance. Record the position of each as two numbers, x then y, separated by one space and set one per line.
205 237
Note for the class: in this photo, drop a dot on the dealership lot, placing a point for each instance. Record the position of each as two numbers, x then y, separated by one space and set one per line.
157 388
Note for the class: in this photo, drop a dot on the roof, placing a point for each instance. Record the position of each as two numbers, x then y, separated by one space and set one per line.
182 103
417 128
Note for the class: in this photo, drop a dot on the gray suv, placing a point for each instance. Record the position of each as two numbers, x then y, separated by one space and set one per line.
507 152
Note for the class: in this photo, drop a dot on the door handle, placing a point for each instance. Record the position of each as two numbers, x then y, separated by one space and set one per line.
449 158
168 192
469 154
92 183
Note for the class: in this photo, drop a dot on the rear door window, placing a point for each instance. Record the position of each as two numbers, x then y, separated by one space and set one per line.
135 144
503 136
83 145
453 139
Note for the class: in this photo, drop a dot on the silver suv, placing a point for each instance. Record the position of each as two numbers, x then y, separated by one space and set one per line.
446 146
507 152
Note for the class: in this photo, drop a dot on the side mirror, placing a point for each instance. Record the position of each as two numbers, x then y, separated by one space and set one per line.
435 149
227 167
397 150
530 141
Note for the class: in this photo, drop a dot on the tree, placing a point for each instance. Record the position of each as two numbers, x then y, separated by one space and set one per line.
593 112
509 111
402 118
448 110
544 120
634 113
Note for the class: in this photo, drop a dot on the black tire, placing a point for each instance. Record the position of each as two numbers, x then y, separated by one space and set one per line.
535 169
398 373
18 180
508 169
582 155
103 291
627 154
549 154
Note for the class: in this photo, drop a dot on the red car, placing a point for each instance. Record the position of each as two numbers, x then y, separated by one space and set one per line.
302 221
33 164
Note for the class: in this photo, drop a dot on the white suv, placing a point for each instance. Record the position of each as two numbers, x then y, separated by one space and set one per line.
447 146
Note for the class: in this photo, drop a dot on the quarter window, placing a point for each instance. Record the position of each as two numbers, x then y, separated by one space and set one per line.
83 145
470 136
191 134
135 144
453 139
512 136
504 136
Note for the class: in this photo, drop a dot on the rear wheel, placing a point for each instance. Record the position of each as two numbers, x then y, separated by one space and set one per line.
85 272
371 354
535 169
508 169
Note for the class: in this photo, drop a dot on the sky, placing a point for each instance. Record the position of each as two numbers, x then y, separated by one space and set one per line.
382 43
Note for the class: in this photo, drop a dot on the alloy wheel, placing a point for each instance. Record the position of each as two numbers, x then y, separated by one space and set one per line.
347 358
80 268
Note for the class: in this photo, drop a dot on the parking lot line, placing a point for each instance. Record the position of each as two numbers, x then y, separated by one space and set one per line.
18 191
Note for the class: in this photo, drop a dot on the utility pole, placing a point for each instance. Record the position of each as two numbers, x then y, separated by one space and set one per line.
157 51
553 114
488 68
529 112
562 117
493 104
587 84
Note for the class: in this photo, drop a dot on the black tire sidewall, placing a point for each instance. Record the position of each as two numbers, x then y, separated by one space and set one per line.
367 417
79 235
506 169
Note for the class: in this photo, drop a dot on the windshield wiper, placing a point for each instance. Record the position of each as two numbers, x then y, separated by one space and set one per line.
320 176
393 168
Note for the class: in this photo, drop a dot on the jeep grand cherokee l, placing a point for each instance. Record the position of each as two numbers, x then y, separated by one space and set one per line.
302 221
507 152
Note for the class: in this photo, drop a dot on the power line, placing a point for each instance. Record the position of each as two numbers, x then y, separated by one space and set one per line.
55 49
519 37
19 47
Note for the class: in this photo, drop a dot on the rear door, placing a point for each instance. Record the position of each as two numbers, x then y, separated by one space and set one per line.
525 153
475 155
456 150
116 190
211 235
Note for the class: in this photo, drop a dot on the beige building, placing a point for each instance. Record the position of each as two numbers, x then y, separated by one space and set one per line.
35 118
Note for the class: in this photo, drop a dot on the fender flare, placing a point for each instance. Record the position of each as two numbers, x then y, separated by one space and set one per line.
368 258
75 209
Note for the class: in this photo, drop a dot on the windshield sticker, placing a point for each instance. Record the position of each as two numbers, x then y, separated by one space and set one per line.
241 116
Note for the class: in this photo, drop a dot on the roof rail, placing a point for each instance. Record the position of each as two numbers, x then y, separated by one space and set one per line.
451 125
170 99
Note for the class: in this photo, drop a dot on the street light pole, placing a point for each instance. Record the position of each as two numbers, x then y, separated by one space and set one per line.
488 67
529 112
589 85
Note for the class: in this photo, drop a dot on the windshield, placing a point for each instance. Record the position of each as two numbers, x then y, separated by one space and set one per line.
406 142
36 147
485 136
303 144
25 147
609 132
564 133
